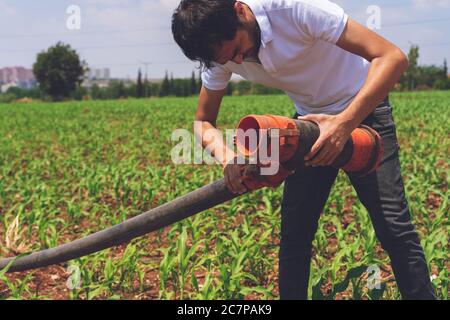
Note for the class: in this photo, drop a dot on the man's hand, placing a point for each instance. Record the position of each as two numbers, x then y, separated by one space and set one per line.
233 174
334 133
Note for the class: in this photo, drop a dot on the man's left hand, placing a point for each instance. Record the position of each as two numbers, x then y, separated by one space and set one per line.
334 133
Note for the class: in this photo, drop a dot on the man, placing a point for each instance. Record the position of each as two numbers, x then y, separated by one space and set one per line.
338 74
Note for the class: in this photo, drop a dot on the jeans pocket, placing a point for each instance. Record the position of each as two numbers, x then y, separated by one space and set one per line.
383 110
382 116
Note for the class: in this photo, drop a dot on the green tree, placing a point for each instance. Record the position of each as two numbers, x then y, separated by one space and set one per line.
131 90
96 92
230 88
79 93
427 76
199 85
445 78
193 90
165 86
33 93
243 87
139 85
117 90
445 69
409 79
171 85
441 81
152 88
58 71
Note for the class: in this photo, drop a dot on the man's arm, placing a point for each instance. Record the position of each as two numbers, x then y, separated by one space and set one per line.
388 62
205 119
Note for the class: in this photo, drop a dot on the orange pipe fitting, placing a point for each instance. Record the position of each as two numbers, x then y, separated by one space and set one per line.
361 154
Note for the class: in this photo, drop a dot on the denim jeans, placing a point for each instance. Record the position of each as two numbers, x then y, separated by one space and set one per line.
381 192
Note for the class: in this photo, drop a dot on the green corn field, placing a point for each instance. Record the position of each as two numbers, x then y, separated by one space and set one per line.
73 168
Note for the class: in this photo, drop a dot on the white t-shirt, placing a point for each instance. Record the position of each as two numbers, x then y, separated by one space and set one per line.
298 54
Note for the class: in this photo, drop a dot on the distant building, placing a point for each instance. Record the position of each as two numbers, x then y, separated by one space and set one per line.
5 87
18 77
98 74
106 73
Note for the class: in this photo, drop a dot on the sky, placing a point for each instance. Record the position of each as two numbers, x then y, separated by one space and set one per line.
127 35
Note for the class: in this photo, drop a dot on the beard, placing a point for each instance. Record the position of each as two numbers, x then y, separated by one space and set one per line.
254 33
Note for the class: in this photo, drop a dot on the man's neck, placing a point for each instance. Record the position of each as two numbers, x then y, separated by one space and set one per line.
256 37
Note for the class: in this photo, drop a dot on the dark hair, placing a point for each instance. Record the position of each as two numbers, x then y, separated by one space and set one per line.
200 25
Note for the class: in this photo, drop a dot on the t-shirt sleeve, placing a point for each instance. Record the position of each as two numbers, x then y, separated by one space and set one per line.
319 19
216 77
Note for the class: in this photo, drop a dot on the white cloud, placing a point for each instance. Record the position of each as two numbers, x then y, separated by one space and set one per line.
113 17
148 22
117 13
431 3
6 10
427 36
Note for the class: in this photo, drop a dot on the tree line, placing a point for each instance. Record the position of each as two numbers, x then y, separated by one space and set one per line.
169 86
424 77
59 73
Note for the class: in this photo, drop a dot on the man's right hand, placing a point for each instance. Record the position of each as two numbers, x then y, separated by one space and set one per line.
233 174
207 111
